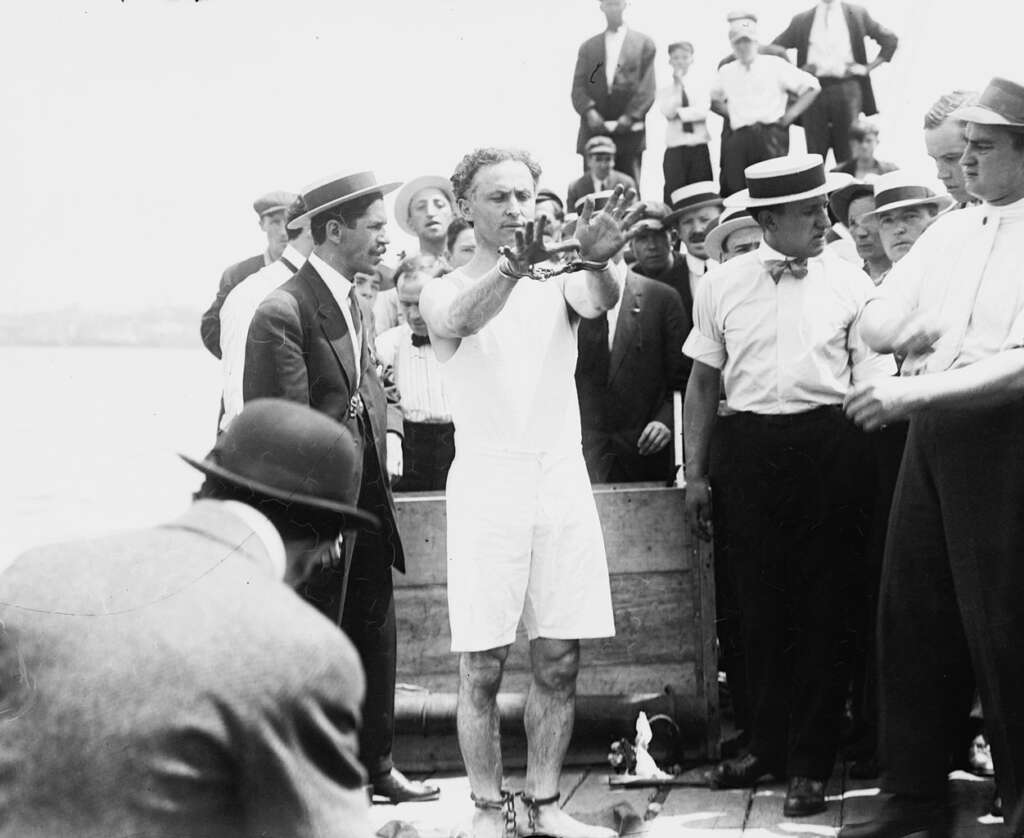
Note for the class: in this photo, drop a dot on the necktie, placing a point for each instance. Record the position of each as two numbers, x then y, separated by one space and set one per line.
687 126
357 332
420 340
777 267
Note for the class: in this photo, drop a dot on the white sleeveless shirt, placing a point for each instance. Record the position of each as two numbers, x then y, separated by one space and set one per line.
512 386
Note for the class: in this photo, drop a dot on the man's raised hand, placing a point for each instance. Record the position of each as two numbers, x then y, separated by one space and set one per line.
530 248
600 235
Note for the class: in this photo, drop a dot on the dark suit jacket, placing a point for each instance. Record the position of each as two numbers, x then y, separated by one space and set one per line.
299 348
677 277
646 366
633 87
209 326
162 682
585 186
861 25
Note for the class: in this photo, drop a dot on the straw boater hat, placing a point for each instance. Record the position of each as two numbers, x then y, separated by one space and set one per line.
895 190
730 222
1001 103
785 180
693 195
287 451
330 192
410 190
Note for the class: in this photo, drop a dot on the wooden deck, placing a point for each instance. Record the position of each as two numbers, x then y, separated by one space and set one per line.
688 811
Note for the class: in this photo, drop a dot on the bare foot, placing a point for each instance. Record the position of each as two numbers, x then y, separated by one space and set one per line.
486 823
552 820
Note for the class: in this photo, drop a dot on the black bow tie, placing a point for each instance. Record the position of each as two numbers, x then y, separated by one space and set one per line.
420 340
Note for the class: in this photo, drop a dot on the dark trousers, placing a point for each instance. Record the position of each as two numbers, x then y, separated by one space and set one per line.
952 588
827 121
612 457
683 165
796 499
427 452
747 145
368 618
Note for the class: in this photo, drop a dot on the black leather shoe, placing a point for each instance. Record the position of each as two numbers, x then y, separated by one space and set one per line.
902 815
804 797
397 788
739 773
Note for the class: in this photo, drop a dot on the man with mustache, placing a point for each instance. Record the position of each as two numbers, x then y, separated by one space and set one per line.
695 210
308 343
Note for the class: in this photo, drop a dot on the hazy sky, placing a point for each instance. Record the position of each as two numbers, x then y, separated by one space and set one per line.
137 133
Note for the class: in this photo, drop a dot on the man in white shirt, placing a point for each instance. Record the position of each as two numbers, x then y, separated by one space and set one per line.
428 439
753 91
695 210
687 159
242 301
776 326
953 577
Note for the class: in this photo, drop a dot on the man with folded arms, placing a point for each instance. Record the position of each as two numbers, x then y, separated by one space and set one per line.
953 578
777 327
524 540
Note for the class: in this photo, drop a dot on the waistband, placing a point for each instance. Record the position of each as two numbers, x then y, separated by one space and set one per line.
825 413
826 81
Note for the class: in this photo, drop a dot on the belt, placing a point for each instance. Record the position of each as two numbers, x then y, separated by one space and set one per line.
825 81
815 414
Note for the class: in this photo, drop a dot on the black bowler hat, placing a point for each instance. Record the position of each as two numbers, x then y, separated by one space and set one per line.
334 190
290 452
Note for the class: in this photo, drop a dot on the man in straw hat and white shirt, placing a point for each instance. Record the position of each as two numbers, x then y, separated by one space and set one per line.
524 539
776 325
307 343
166 681
953 578
905 206
695 209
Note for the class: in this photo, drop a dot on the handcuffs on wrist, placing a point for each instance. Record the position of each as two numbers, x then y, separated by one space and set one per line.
543 274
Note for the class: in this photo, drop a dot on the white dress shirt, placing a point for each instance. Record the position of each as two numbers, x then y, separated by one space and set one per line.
618 271
696 269
235 316
670 100
788 347
613 42
829 48
945 260
417 374
340 288
759 92
387 313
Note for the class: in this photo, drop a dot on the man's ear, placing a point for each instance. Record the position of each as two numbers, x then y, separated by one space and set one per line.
465 209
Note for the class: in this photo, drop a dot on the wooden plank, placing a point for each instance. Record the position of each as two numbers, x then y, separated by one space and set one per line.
702 813
706 636
593 680
643 528
653 618
620 809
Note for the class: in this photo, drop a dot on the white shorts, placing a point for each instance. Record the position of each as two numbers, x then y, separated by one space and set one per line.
524 541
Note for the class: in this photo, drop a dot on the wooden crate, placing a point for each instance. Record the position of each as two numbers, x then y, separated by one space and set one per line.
662 585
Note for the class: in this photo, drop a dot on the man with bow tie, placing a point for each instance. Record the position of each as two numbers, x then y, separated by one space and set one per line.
308 343
428 441
777 327
953 578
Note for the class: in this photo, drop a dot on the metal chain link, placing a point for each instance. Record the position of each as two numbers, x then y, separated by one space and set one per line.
509 800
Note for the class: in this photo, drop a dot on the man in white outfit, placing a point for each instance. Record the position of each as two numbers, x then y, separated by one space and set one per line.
524 539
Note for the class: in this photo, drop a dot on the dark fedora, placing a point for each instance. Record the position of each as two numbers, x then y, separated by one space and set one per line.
1001 103
840 200
284 450
335 190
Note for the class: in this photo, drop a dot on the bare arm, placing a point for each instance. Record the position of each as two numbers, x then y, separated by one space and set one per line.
453 312
802 103
699 411
591 293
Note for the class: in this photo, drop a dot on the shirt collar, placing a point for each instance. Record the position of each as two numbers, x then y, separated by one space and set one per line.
765 253
265 533
331 276
696 265
620 32
1014 210
293 256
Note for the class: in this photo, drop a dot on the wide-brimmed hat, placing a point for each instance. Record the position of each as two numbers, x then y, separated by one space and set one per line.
840 200
895 190
784 180
332 191
1000 103
273 202
692 196
409 191
728 223
287 451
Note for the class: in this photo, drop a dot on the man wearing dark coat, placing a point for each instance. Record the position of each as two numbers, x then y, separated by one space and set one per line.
167 681
829 44
308 343
613 88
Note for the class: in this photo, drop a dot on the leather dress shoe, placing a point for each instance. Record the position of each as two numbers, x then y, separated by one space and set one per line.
903 815
739 773
398 788
804 797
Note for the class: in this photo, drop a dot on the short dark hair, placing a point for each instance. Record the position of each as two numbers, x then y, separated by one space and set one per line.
347 213
294 211
680 45
465 172
422 263
454 229
775 209
946 104
291 520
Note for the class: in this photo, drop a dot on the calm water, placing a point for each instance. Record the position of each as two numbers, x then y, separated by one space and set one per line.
89 438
